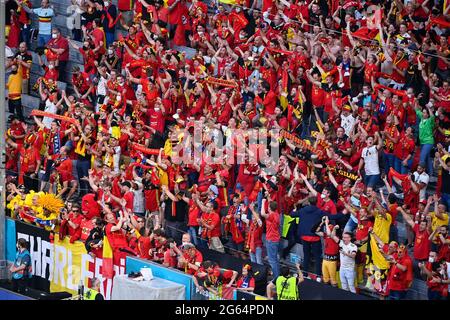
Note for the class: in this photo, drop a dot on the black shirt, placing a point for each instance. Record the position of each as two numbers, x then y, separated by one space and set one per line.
181 209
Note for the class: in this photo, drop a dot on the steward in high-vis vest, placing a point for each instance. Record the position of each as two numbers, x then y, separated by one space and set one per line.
91 294
94 292
286 285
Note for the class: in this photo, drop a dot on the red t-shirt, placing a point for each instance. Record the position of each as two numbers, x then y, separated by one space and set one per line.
331 248
197 259
193 214
328 206
116 239
77 220
144 245
213 219
129 197
398 279
273 226
422 245
170 259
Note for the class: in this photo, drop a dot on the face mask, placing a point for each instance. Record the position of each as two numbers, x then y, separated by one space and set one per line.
238 10
51 66
430 260
322 196
156 109
106 3
366 92
410 95
54 35
242 37
110 52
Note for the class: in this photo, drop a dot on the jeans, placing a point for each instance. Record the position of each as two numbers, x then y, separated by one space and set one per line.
400 168
193 232
272 253
350 225
25 34
393 233
434 295
110 36
316 248
15 107
62 71
257 256
397 294
446 199
83 167
347 279
389 160
43 39
425 157
77 34
372 180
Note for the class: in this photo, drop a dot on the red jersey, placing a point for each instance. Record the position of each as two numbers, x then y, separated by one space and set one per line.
273 227
76 220
422 245
398 279
327 206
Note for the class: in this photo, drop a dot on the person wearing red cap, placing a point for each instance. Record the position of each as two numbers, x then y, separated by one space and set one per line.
400 275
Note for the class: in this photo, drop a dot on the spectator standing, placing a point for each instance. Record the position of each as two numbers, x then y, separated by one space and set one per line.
272 234
347 273
400 275
45 14
25 22
74 20
421 178
14 86
331 251
426 137
369 159
22 267
60 46
286 285
109 21
24 59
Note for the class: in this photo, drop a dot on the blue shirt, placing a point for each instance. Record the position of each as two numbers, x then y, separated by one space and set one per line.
22 258
45 19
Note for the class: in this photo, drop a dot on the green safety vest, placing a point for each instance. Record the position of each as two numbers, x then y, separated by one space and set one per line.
286 224
287 288
90 294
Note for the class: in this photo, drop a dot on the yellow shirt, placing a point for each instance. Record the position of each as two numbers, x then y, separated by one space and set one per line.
163 177
437 222
14 85
381 229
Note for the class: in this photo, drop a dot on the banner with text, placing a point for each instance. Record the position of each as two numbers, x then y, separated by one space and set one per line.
72 264
59 265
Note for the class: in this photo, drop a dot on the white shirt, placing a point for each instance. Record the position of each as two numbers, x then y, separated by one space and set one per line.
101 86
51 108
347 123
422 178
346 261
370 156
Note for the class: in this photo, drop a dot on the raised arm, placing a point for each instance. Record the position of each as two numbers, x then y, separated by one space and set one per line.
308 185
